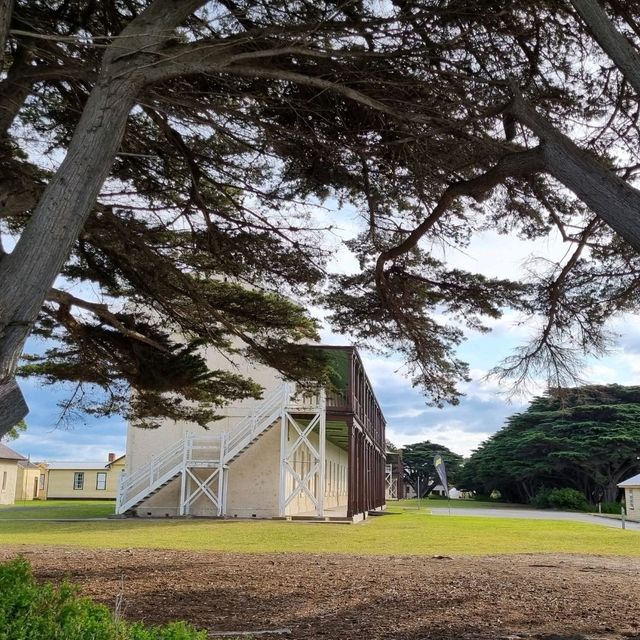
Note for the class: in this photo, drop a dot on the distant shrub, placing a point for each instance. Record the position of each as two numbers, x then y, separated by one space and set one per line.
560 499
541 499
571 499
610 507
29 611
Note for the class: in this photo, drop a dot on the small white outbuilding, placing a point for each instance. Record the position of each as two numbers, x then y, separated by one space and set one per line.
631 488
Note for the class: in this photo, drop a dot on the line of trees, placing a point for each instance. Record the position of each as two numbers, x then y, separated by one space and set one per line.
584 438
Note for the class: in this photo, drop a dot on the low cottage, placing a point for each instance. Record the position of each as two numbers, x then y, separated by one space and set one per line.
8 473
631 488
28 480
82 480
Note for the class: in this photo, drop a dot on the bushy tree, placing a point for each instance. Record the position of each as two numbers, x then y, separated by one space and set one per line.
419 470
583 438
152 149
15 431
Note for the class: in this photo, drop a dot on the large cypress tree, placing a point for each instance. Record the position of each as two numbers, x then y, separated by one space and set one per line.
586 438
148 146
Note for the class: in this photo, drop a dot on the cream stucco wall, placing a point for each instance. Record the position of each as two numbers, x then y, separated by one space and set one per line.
60 483
254 478
8 479
253 484
252 489
632 502
27 483
143 444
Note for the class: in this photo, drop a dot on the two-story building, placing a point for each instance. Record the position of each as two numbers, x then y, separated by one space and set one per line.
296 453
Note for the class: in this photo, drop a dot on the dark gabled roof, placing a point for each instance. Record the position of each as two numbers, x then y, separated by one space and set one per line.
9 454
25 464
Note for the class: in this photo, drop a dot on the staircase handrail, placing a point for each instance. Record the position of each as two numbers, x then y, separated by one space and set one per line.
262 416
160 459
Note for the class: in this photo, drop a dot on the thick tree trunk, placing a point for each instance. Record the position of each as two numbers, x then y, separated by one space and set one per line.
27 274
14 89
611 492
609 197
613 43
6 10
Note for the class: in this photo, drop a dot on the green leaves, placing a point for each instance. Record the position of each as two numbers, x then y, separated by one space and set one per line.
418 465
585 438
29 611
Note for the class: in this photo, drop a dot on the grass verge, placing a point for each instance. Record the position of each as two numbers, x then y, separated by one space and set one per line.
56 509
398 533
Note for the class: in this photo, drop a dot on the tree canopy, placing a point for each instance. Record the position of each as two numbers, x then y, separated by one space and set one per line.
584 438
166 154
420 471
15 431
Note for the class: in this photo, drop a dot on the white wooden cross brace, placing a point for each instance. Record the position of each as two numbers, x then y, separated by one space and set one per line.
203 487
303 436
303 483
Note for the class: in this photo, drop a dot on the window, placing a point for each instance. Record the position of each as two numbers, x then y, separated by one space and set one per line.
78 481
42 477
101 480
4 480
631 499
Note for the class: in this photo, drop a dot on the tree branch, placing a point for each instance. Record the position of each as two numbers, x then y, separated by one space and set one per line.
607 195
101 311
515 164
613 43
6 9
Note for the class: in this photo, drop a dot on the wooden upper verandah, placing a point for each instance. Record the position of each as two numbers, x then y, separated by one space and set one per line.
351 398
355 422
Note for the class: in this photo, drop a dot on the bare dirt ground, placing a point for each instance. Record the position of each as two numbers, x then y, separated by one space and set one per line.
550 597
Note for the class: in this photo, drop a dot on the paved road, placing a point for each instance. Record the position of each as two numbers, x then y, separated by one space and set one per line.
534 514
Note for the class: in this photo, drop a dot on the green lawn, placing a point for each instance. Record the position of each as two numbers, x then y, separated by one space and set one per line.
398 532
52 509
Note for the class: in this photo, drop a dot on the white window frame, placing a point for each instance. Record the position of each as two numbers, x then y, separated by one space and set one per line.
78 481
101 475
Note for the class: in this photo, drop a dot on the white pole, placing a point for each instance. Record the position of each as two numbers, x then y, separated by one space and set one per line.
322 451
222 498
183 479
284 432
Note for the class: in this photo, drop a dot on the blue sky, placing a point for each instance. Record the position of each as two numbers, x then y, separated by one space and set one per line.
480 413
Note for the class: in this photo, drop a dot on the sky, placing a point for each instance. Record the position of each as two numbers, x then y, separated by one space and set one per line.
482 410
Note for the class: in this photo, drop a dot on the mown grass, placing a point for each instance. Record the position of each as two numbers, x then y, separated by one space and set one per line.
57 509
400 532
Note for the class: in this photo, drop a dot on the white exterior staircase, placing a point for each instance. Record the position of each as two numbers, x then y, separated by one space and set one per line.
214 452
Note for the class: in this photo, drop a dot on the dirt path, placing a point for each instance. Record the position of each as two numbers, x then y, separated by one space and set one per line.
553 597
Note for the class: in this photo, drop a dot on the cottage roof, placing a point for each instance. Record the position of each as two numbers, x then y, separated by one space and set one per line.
9 454
26 464
634 481
80 466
